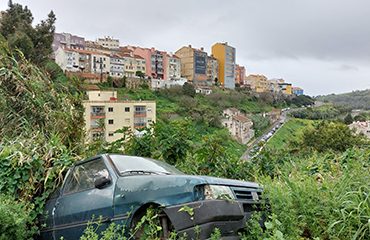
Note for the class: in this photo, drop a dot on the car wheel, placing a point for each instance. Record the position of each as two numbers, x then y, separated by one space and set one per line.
151 222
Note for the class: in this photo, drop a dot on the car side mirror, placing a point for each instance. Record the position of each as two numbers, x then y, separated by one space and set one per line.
101 182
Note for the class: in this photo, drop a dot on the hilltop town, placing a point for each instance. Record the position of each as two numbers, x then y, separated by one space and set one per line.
96 60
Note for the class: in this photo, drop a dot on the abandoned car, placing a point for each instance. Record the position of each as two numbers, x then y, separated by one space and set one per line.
120 188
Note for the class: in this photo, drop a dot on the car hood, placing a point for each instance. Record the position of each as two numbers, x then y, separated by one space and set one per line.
135 183
228 182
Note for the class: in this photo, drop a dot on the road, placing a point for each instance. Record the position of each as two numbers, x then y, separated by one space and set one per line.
283 119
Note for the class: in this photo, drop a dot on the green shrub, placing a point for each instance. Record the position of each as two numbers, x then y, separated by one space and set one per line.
15 218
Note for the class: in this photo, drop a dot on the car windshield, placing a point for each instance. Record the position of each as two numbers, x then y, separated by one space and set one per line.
139 165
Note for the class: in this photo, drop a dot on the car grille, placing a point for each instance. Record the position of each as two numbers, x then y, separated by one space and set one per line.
251 194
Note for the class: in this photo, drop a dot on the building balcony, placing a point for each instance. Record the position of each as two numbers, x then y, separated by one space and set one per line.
97 114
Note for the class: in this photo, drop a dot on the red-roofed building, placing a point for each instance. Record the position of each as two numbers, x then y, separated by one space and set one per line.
259 83
240 127
297 91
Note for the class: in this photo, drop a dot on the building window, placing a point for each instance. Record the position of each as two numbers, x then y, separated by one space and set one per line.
110 109
127 120
140 110
110 134
127 109
149 109
110 121
149 120
140 122
97 111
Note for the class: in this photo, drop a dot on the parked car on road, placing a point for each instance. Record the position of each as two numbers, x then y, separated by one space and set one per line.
121 188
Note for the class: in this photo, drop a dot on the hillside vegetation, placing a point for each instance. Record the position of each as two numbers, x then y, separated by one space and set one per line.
355 99
317 183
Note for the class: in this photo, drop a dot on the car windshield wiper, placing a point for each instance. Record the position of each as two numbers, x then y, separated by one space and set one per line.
143 172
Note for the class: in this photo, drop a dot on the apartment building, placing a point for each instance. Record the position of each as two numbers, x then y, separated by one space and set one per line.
83 61
96 47
108 42
67 59
194 65
226 55
156 62
297 91
102 108
212 69
173 66
132 63
239 74
67 40
286 88
117 66
259 83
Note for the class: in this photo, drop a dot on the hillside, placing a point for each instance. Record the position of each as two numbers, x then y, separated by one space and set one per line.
354 99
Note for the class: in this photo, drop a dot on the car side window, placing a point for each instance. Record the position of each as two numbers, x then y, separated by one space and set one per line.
84 175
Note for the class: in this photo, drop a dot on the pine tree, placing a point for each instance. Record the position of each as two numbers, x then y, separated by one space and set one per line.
34 43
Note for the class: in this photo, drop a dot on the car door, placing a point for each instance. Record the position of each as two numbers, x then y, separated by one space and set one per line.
81 200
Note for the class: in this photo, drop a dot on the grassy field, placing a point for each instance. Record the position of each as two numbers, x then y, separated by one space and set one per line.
290 130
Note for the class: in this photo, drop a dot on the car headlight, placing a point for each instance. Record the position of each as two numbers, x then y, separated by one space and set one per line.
213 192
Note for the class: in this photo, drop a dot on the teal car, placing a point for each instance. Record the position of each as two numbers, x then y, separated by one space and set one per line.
120 188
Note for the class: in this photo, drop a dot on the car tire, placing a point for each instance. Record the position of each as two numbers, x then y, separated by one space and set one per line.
162 220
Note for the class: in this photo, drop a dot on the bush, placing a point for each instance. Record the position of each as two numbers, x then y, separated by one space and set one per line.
15 219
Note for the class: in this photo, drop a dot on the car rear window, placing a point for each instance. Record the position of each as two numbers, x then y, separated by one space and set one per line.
132 164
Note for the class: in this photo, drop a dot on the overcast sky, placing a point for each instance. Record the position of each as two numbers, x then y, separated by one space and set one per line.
322 46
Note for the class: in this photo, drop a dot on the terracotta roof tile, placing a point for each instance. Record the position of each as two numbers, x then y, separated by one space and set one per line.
241 118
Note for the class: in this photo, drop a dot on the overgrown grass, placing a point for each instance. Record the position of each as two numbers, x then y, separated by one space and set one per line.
321 196
291 130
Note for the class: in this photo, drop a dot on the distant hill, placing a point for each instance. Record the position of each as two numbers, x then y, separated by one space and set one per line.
355 99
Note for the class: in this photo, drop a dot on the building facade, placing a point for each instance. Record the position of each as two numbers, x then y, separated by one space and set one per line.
239 74
240 127
132 63
361 127
297 91
108 42
226 63
259 83
194 65
212 69
286 88
156 62
103 109
67 40
117 66
173 66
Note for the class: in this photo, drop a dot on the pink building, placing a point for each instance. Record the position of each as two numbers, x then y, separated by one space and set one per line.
156 62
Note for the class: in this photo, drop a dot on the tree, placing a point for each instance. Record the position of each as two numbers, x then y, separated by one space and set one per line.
35 43
266 98
173 140
140 74
189 89
123 81
348 119
329 136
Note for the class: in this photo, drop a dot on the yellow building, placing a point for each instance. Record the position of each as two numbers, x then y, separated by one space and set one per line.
103 107
226 63
286 88
194 65
259 83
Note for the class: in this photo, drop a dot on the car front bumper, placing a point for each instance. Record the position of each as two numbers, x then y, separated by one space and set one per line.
228 216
